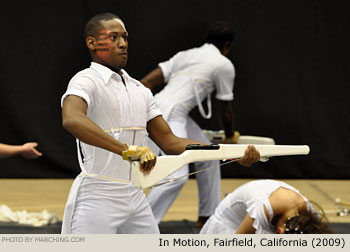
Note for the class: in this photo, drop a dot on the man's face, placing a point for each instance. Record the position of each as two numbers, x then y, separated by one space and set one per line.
112 44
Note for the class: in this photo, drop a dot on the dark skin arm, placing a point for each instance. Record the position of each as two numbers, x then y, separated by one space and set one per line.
153 79
226 117
160 132
227 122
75 120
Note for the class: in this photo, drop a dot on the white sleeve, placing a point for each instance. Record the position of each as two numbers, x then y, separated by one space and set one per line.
153 108
168 67
223 77
255 210
83 87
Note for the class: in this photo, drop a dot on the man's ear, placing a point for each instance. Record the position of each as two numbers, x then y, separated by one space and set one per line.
227 45
91 43
226 48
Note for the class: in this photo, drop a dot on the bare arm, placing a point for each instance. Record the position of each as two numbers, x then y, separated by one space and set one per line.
160 132
153 79
226 117
246 226
75 121
27 150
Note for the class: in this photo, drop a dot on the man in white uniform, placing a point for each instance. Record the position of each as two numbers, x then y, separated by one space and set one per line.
110 114
191 76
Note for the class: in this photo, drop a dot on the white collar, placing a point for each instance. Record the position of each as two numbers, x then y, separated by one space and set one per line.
106 73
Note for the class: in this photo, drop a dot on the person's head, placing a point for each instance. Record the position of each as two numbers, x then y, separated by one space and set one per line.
221 35
306 222
107 40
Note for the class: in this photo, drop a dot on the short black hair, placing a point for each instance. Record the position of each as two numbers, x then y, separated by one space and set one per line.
94 24
219 33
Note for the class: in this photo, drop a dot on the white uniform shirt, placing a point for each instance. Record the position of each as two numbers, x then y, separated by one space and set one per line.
198 70
115 107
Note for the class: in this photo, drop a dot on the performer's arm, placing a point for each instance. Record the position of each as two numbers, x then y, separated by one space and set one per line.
27 150
160 132
75 120
226 117
153 79
246 226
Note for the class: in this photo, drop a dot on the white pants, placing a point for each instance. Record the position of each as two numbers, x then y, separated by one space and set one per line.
108 207
208 182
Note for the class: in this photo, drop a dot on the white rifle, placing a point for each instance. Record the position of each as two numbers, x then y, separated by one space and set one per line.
167 165
218 136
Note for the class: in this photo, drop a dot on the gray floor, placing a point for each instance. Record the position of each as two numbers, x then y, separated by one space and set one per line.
167 227
188 227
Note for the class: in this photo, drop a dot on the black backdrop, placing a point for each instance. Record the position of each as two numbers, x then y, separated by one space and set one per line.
291 59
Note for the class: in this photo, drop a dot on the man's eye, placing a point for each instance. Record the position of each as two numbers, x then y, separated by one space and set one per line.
125 38
114 37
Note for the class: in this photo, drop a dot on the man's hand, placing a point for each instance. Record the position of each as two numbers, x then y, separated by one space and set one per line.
28 150
251 156
144 154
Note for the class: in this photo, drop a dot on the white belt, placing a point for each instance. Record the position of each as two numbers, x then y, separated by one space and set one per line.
82 174
125 128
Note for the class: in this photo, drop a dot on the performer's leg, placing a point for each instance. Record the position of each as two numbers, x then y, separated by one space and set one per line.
100 208
141 220
208 182
161 198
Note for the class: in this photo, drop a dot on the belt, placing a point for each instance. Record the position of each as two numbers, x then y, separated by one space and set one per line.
124 128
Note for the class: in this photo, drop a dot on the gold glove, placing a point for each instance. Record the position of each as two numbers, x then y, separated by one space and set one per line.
232 139
135 152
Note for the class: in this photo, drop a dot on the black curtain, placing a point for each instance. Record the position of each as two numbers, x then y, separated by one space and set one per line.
290 58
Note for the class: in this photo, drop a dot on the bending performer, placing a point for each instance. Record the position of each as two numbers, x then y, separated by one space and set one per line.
266 207
192 76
